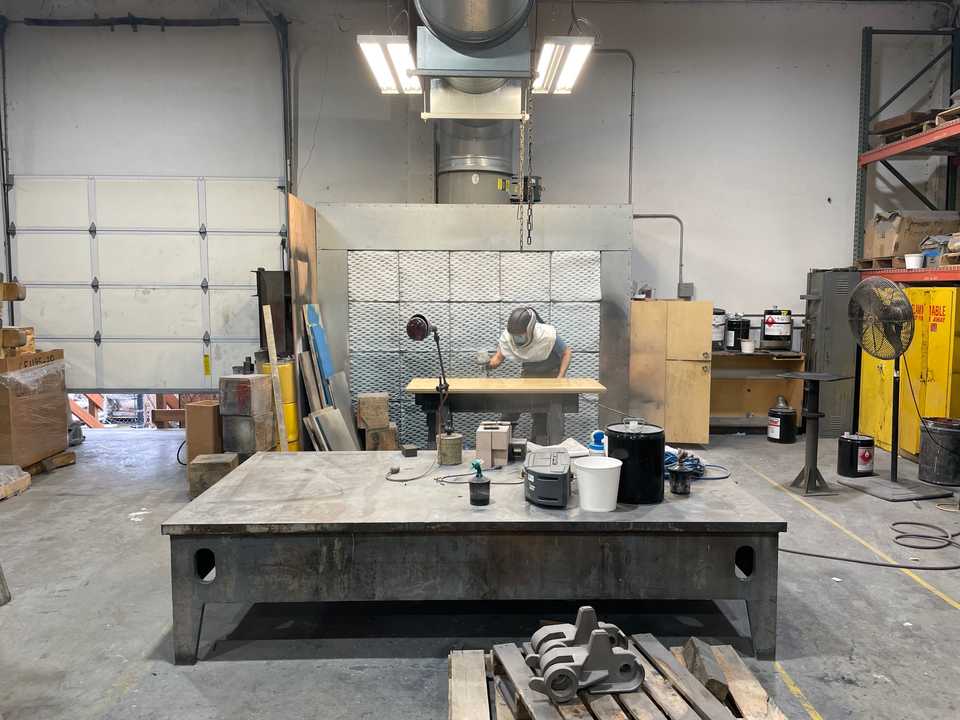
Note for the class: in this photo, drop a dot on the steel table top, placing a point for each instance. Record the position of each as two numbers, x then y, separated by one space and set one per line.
336 492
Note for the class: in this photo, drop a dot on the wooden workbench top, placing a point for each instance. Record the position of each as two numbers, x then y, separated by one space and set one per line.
508 386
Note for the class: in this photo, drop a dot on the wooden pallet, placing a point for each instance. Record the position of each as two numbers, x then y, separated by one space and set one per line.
13 486
949 259
494 686
948 115
67 457
903 133
899 122
889 262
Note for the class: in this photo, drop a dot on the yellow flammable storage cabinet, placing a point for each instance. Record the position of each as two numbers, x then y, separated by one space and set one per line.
930 367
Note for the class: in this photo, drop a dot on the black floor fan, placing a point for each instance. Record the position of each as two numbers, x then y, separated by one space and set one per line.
882 322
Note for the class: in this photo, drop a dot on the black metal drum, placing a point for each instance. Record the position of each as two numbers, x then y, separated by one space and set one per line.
639 447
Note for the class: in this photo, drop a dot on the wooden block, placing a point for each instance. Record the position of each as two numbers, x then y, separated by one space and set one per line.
373 410
680 678
246 395
467 687
12 337
68 457
13 481
248 435
12 291
751 699
381 438
165 415
205 471
699 660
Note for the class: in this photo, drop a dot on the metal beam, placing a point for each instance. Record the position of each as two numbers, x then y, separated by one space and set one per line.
909 185
863 135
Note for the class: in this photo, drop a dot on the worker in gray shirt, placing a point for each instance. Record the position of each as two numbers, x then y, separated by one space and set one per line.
538 347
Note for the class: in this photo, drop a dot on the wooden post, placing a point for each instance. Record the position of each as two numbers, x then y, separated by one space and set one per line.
275 376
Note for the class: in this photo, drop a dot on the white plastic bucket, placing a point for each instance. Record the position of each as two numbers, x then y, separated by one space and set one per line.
747 347
598 480
914 261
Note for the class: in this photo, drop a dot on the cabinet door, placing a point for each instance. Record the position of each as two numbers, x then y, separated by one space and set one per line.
648 349
914 376
876 399
687 417
688 330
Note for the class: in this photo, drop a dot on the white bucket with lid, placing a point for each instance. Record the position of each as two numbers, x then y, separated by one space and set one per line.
598 480
913 261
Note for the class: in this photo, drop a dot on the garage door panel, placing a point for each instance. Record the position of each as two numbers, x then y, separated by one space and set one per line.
243 205
163 204
52 257
149 259
233 313
51 203
233 258
224 355
80 358
153 365
151 312
57 311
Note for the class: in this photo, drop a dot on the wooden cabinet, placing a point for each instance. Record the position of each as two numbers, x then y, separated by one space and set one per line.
670 367
746 386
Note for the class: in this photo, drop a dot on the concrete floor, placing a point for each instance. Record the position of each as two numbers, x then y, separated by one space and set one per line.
88 632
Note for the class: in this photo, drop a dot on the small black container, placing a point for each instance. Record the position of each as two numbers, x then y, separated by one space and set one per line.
479 491
639 447
680 478
782 423
940 451
855 455
738 328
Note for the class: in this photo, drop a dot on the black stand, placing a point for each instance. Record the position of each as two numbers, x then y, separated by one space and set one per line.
444 421
809 481
894 489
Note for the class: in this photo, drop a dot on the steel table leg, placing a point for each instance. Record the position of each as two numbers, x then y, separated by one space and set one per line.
555 423
187 608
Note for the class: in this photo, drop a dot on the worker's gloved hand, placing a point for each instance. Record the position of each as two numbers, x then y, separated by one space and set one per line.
483 360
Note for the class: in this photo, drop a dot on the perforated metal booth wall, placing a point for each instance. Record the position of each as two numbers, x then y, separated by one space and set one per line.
462 266
468 296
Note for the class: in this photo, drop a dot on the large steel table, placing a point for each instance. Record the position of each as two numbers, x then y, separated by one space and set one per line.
311 527
553 397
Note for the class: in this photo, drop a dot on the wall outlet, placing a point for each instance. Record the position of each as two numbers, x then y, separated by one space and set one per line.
685 290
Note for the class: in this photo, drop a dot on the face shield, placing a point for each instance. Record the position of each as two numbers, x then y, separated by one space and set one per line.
520 340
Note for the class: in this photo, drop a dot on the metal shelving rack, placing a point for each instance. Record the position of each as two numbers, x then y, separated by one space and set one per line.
943 141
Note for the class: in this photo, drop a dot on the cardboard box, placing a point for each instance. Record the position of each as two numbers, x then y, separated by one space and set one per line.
373 410
247 435
205 471
382 438
493 443
246 395
902 232
33 408
203 429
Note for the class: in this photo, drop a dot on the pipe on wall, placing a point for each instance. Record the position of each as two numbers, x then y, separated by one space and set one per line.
667 216
633 94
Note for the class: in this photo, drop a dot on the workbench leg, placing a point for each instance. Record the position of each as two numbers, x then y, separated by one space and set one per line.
187 608
762 600
431 430
555 424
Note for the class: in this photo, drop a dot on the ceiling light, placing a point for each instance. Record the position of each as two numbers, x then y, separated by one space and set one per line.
561 60
391 62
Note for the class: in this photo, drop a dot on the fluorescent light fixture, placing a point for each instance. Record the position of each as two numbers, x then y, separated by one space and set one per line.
391 63
561 60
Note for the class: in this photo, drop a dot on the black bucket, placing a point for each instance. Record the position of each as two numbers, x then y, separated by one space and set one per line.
639 447
738 328
782 425
940 451
855 455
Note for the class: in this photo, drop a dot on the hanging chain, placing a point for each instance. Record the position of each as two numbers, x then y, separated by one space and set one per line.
523 152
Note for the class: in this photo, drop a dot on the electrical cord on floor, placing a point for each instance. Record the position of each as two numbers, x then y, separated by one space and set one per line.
179 450
456 479
690 462
915 540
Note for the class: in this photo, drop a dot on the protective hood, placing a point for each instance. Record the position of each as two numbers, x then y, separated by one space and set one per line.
537 350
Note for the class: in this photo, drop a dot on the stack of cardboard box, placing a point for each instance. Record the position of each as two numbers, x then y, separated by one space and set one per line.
373 422
246 414
34 413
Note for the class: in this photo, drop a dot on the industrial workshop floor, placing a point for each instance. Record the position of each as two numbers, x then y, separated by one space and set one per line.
88 632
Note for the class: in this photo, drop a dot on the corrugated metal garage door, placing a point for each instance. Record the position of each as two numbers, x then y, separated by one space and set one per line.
145 282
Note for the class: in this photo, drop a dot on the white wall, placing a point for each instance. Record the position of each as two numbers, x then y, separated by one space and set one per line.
745 119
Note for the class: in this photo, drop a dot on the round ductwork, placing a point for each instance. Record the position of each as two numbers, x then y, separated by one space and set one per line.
474 23
472 155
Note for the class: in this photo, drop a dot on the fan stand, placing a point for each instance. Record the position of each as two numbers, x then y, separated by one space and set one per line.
895 489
